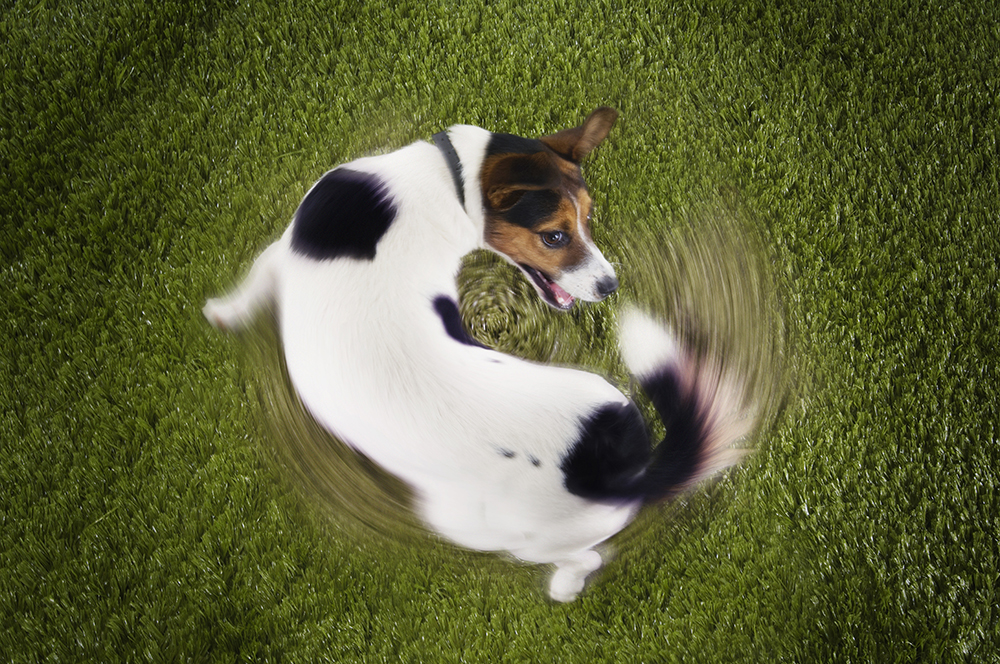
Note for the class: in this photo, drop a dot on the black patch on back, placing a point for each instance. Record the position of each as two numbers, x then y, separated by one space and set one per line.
346 213
609 459
511 144
533 208
447 311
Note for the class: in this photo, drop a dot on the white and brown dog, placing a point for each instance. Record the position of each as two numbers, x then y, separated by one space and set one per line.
540 461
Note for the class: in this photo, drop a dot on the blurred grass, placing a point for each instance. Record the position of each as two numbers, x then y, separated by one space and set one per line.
150 151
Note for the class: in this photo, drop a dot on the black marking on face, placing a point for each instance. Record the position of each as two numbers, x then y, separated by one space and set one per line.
533 208
610 457
534 460
511 144
508 454
345 214
447 311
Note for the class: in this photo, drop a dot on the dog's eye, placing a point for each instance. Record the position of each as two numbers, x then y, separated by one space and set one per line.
555 239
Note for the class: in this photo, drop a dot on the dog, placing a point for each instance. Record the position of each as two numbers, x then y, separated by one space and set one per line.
543 462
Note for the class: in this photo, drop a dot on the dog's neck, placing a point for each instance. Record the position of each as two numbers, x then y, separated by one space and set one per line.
469 145
443 144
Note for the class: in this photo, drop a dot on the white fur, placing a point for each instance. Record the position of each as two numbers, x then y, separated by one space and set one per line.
371 361
646 346
581 281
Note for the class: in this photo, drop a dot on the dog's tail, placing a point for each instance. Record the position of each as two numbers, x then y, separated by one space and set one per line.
700 405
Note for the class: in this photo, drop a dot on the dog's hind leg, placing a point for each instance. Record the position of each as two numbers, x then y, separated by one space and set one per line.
237 308
568 579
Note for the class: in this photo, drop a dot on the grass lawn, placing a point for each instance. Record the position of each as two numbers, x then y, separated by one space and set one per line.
816 181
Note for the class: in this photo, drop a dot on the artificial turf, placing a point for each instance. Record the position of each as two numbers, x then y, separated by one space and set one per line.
149 150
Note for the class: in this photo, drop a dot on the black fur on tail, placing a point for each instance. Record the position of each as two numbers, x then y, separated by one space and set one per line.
612 459
676 461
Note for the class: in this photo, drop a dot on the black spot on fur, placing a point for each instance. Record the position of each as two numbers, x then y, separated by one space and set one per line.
533 208
508 454
447 310
609 459
534 460
511 144
345 214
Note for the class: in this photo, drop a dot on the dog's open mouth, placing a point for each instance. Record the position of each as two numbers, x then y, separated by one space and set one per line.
550 291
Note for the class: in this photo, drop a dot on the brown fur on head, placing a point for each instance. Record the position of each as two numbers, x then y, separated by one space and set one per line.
537 209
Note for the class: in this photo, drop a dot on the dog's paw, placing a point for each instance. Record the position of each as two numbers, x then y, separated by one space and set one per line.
570 576
565 586
219 314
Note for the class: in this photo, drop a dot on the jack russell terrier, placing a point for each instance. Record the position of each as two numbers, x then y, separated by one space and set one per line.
502 454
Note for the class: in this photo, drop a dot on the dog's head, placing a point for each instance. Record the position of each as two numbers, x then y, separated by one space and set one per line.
537 211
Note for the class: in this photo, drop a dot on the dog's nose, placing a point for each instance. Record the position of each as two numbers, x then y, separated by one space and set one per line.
607 286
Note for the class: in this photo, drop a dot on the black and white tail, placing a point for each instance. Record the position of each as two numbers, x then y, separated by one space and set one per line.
701 408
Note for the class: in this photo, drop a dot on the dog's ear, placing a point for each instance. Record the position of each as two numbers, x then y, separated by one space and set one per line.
507 177
576 143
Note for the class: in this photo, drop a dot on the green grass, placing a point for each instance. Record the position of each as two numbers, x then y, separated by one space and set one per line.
149 152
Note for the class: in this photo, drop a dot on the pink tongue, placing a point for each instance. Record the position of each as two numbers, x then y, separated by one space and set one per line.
562 297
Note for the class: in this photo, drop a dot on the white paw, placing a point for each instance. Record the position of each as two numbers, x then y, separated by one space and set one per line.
565 585
569 578
219 314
